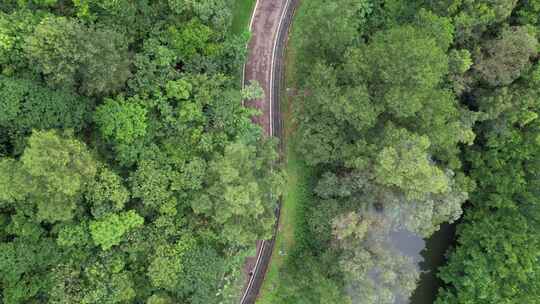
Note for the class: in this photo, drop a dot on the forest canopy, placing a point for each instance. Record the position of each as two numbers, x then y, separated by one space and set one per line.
130 170
405 111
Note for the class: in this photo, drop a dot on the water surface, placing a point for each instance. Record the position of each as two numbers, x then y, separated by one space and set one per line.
433 257
429 255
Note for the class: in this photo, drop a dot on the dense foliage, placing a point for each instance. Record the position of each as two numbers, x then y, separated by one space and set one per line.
496 260
130 170
407 109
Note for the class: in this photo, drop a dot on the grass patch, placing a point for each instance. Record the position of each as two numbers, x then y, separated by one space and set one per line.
297 193
296 196
242 12
242 15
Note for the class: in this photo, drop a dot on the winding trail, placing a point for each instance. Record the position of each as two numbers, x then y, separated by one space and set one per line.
269 27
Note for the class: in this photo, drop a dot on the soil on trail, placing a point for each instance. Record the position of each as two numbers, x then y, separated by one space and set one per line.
264 32
250 263
265 25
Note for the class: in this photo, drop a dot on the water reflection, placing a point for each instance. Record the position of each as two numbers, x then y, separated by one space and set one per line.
433 258
428 255
385 261
408 244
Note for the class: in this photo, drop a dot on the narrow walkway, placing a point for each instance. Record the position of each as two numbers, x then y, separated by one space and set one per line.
269 28
264 29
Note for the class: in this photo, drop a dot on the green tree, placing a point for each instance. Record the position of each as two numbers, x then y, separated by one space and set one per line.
204 273
14 28
166 266
505 58
106 193
439 28
73 236
328 40
12 181
401 66
406 165
60 169
153 184
68 53
307 283
240 192
109 230
24 268
191 40
460 61
122 121
217 13
473 18
27 105
159 299
331 116
404 67
496 261
528 11
103 279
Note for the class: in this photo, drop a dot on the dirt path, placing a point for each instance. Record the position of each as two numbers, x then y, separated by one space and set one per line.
264 30
269 27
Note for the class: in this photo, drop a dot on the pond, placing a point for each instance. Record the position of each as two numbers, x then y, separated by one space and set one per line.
433 257
430 255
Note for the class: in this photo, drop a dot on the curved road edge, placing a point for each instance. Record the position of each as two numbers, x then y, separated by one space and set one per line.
264 253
